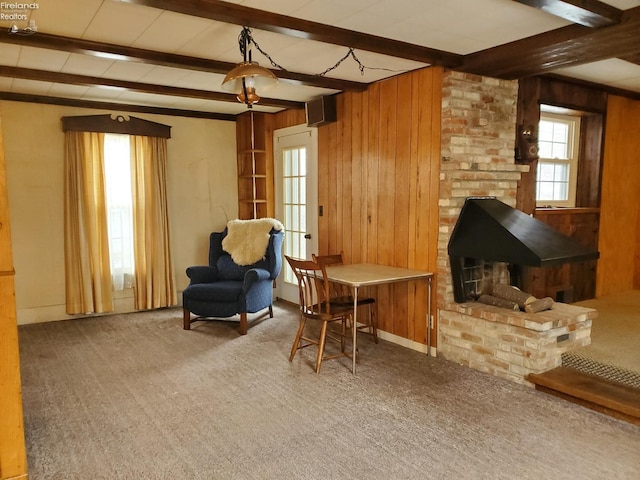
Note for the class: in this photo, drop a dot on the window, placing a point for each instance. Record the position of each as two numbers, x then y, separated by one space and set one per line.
295 204
119 198
558 160
116 210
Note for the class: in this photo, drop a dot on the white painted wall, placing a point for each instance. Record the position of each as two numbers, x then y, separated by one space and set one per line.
202 188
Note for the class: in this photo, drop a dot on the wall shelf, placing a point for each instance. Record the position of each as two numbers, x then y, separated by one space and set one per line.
253 176
255 166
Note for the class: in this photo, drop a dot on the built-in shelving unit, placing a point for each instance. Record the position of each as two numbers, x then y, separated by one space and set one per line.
255 166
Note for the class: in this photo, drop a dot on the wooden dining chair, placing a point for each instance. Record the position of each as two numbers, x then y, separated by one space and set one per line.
315 305
341 294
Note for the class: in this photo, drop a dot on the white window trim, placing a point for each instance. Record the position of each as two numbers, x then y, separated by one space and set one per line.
573 152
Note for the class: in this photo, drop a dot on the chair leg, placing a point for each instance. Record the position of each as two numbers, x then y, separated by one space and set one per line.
374 323
270 311
296 342
243 323
186 319
323 337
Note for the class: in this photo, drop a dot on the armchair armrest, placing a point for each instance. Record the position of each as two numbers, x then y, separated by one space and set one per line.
254 275
202 274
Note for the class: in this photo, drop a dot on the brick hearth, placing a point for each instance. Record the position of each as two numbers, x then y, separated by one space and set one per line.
512 344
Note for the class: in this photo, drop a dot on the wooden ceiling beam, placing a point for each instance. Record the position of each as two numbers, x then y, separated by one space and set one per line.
632 58
120 107
71 79
121 52
273 22
563 47
588 13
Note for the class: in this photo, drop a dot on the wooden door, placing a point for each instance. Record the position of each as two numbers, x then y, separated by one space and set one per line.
296 199
13 461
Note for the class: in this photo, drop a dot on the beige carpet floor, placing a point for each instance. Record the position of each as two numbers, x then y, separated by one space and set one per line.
614 352
137 397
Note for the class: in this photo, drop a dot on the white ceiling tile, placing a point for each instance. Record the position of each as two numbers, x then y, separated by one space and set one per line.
616 70
295 93
147 99
622 4
219 41
130 71
42 59
632 83
120 23
68 91
190 103
6 84
358 5
65 17
9 55
99 93
366 22
31 86
209 106
86 65
164 75
170 31
203 81
617 73
284 7
324 12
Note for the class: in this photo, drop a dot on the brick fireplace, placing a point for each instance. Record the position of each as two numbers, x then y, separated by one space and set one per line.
477 146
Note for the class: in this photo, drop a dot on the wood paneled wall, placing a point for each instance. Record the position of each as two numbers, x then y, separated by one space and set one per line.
13 460
378 169
620 202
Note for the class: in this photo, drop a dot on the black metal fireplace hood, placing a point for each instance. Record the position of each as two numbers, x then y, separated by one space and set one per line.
491 230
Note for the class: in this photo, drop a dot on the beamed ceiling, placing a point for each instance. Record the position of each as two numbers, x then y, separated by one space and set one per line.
170 57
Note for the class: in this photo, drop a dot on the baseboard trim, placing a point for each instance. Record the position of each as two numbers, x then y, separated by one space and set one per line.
405 342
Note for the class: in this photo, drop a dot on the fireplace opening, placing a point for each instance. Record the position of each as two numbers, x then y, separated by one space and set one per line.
492 243
477 277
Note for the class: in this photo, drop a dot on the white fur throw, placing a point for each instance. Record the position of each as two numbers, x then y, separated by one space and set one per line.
247 240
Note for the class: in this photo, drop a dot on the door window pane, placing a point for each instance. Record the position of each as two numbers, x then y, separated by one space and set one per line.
294 198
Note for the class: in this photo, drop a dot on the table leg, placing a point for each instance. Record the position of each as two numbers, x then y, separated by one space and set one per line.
354 329
429 316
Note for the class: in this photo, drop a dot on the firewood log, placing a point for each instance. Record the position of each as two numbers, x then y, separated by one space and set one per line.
545 303
509 292
498 302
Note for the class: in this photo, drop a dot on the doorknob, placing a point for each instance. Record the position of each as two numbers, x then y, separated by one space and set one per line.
308 236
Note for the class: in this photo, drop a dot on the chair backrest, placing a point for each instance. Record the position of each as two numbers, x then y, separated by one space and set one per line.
313 286
333 259
229 270
336 290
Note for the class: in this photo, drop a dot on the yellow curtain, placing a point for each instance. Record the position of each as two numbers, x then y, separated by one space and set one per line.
154 284
88 276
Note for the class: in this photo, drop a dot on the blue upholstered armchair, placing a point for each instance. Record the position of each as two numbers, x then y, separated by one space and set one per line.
223 288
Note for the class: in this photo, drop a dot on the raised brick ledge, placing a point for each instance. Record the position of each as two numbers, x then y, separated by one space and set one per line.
561 315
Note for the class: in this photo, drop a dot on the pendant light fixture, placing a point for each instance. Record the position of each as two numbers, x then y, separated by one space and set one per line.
248 76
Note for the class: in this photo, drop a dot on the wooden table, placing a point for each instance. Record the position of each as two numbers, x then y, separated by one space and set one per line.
368 274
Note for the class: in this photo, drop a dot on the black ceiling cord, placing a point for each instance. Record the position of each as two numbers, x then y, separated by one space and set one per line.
245 39
243 42
246 94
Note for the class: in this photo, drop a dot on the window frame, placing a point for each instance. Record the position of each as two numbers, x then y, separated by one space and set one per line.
573 151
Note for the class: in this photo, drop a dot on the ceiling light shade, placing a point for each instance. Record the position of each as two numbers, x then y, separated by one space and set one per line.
247 76
253 75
